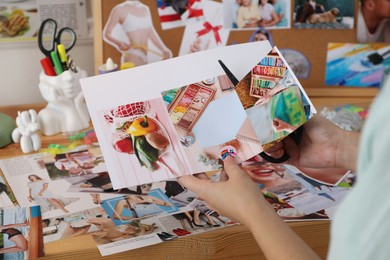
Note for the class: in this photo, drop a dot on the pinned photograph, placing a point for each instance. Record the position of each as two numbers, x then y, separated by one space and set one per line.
21 233
207 33
373 24
130 30
356 65
179 13
322 14
251 14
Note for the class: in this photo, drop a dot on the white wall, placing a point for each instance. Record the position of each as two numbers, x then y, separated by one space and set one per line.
20 67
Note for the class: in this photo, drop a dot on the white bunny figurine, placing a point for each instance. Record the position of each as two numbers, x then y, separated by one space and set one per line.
26 131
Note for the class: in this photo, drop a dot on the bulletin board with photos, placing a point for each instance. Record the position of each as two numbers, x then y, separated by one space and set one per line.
308 41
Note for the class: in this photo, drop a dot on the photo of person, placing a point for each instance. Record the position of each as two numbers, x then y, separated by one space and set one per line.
373 21
40 194
75 165
289 213
7 197
270 175
133 207
248 15
207 33
267 14
282 9
261 34
71 225
324 14
251 14
109 232
21 233
179 13
293 186
130 30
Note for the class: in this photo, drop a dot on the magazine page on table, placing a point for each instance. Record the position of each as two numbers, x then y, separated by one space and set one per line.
117 100
44 180
293 196
21 233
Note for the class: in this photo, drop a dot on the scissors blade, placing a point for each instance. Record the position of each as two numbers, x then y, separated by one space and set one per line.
230 75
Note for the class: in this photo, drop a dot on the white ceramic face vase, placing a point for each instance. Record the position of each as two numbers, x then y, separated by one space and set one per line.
66 111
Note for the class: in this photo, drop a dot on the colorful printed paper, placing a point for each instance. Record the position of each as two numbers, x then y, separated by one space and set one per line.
356 65
146 132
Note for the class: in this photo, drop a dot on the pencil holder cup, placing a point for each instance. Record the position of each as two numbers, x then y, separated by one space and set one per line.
66 111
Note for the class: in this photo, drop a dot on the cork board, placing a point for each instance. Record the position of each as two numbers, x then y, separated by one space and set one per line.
310 42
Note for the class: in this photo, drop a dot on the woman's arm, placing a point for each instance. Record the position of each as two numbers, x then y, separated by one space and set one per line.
275 19
240 199
155 38
119 207
30 198
113 20
158 201
240 19
45 186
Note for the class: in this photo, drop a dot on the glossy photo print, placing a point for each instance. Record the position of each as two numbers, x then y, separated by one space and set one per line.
251 14
274 100
81 164
207 33
127 208
324 14
19 20
21 233
130 30
179 13
356 65
156 127
374 25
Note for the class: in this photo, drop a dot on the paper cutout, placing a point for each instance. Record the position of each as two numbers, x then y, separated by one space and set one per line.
172 104
220 122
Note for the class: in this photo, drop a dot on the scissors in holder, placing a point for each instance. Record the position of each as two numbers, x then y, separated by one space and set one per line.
63 41
296 135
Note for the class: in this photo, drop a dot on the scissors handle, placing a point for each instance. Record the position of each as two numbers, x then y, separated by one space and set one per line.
296 136
72 41
65 34
51 25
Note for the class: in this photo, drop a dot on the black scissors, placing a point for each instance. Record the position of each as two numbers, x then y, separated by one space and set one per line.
296 135
64 35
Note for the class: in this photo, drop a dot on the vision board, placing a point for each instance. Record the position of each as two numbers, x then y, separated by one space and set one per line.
312 43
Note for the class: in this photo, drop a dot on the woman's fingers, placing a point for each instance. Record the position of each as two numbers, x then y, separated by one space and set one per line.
231 167
276 151
194 184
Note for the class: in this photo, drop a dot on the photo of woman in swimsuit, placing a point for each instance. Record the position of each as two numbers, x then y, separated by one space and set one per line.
129 29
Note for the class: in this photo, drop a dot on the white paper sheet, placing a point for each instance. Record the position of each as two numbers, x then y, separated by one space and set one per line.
147 82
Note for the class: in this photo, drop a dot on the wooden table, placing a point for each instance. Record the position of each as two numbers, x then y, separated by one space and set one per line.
234 242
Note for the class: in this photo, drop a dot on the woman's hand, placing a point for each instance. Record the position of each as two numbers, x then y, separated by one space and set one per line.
231 198
30 199
167 54
240 199
279 126
323 145
123 46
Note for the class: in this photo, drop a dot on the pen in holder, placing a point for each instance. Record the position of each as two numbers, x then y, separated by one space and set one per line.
66 111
